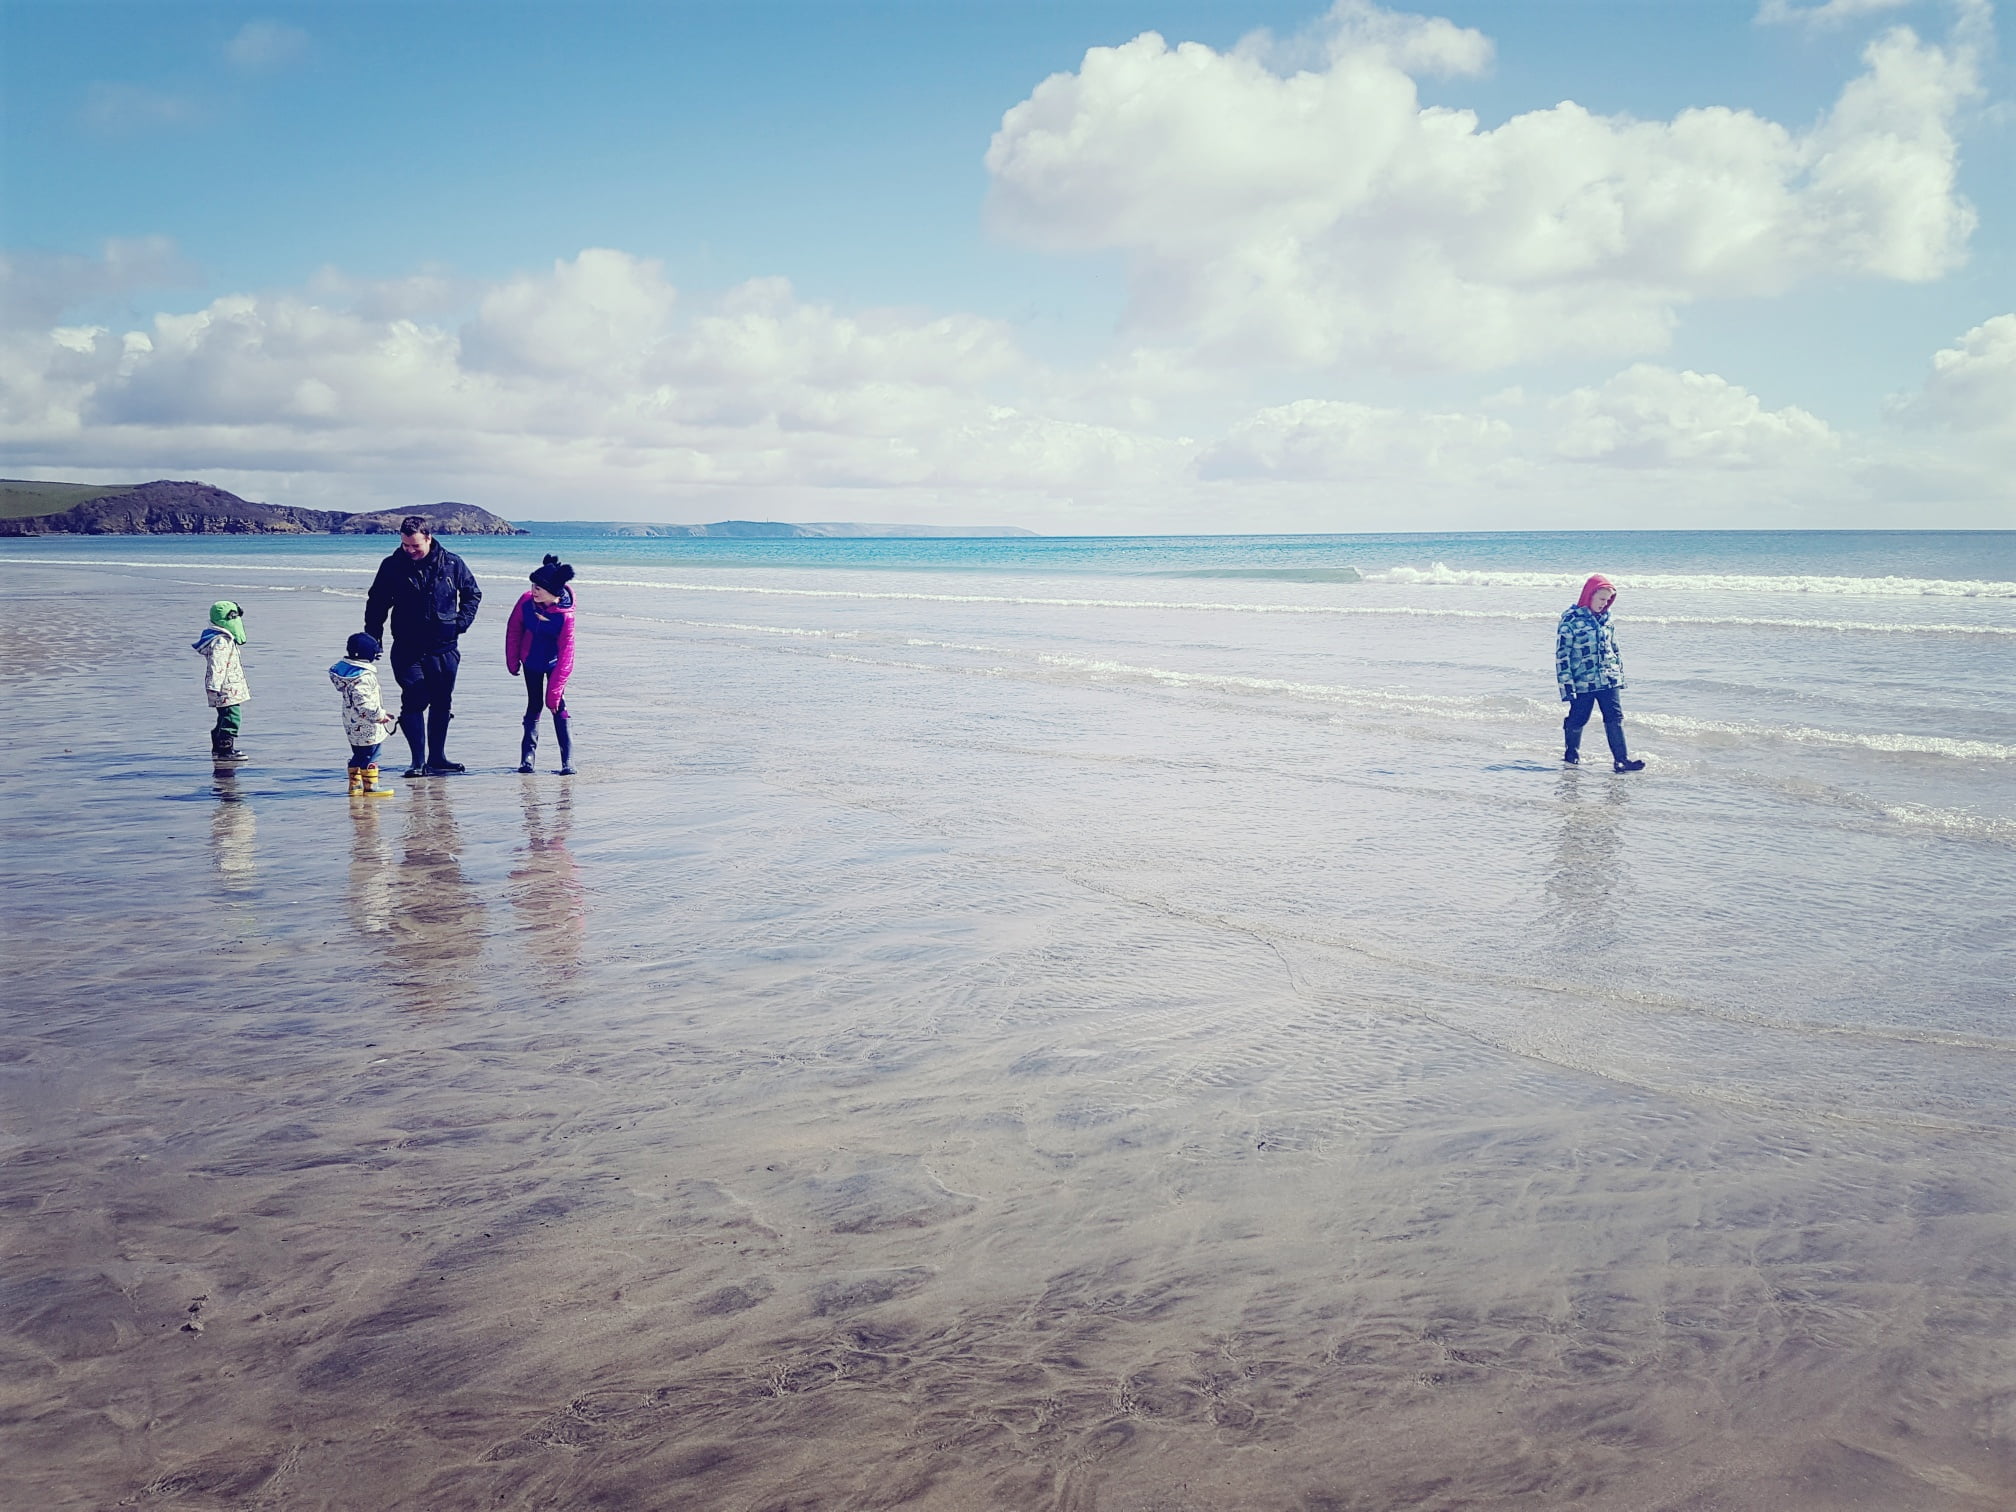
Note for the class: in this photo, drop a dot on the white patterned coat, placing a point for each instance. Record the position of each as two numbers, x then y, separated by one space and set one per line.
364 718
224 672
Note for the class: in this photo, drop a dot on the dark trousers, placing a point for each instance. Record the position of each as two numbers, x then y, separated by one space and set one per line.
1613 721
363 756
535 701
426 701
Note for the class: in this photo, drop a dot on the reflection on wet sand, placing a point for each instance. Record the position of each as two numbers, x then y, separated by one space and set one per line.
371 868
434 914
233 829
546 891
1589 875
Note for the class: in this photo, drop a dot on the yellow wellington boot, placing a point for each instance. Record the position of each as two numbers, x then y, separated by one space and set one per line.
371 788
356 782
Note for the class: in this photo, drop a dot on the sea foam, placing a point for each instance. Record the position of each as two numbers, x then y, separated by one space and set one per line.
1710 582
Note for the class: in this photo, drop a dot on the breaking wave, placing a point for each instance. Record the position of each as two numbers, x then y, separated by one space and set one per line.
1917 745
1709 582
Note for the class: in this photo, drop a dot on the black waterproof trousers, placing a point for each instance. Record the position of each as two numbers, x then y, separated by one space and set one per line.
1613 721
426 700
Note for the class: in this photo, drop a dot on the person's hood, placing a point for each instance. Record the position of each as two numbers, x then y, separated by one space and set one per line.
229 618
347 671
1590 589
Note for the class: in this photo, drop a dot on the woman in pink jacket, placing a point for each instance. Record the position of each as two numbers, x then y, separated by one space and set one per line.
539 639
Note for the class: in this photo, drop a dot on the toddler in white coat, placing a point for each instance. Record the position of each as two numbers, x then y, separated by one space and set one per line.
364 716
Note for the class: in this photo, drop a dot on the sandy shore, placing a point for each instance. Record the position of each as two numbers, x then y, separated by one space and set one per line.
738 1125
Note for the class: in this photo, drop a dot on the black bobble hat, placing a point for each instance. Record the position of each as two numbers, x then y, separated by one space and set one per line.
552 575
362 647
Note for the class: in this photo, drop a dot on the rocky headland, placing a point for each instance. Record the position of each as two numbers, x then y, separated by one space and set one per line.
446 518
167 507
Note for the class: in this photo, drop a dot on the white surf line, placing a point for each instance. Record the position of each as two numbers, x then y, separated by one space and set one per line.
1477 708
181 566
1480 708
1712 582
1340 610
1917 745
1453 708
1402 610
1796 624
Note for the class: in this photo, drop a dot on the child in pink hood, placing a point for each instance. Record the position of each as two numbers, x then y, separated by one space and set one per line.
1590 671
539 639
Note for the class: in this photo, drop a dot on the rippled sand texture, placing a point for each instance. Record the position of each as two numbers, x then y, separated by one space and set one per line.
949 1086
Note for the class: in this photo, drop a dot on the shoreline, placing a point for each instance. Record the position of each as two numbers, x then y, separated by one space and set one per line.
883 1085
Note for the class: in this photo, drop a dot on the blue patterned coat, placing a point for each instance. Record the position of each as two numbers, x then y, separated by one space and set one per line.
1586 658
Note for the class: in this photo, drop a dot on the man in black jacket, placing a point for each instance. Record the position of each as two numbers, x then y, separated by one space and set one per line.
432 597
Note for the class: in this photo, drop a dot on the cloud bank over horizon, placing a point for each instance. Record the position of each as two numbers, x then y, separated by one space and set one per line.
1300 236
1325 215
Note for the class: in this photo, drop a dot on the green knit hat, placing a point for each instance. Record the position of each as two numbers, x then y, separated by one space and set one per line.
228 617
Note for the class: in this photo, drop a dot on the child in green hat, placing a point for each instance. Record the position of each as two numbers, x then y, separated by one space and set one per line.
224 675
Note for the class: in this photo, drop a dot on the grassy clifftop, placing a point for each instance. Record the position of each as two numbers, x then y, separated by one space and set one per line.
20 498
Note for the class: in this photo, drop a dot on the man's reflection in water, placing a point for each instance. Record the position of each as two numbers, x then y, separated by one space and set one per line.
1589 873
546 891
419 906
233 827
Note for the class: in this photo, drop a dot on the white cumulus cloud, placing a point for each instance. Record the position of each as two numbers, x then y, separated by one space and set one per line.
1324 216
588 372
1320 439
595 388
1972 386
1650 416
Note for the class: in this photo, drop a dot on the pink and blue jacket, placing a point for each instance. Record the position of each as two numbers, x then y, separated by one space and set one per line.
542 640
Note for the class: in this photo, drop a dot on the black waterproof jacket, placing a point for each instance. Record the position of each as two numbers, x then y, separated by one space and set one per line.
432 601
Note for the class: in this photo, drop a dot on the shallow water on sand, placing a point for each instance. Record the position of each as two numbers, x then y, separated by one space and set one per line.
952 1051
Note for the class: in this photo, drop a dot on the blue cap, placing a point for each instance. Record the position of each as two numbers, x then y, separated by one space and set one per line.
362 647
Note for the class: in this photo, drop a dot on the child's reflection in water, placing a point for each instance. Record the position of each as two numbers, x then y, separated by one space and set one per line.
371 864
546 891
233 827
419 906
1590 873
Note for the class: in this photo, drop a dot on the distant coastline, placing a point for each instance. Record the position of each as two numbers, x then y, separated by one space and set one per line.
762 530
169 507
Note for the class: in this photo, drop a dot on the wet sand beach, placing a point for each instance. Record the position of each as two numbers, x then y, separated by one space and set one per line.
877 1081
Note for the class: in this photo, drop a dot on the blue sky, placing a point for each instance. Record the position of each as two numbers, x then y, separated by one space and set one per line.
349 239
